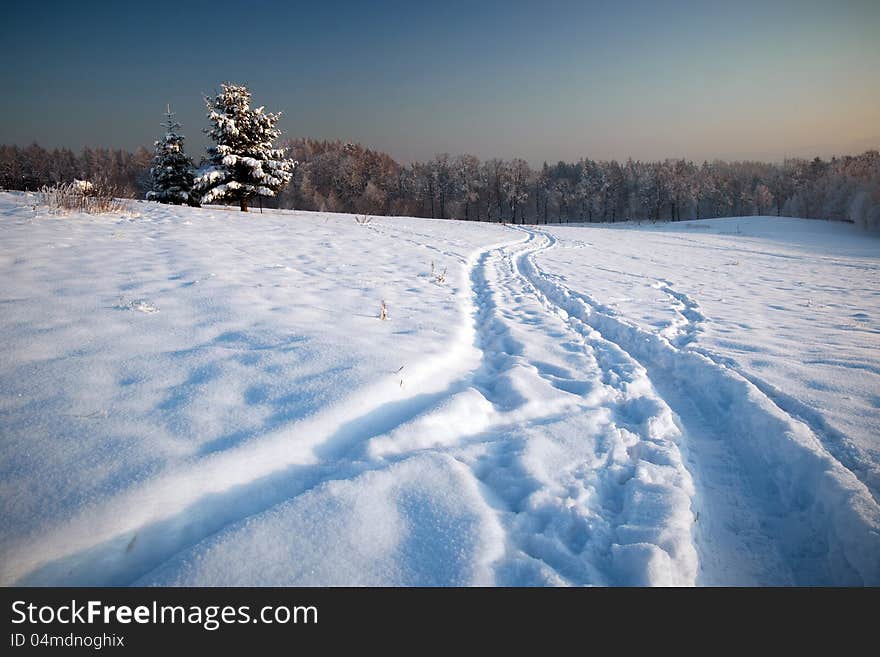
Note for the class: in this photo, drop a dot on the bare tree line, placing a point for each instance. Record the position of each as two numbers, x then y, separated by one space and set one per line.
32 167
343 177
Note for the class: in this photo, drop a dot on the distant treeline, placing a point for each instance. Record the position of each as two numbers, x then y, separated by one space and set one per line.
32 167
342 177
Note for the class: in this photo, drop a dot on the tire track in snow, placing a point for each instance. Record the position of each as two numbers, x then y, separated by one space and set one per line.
775 507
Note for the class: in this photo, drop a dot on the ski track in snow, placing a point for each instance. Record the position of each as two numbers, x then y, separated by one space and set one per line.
588 452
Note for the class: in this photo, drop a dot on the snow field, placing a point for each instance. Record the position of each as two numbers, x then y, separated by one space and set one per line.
559 409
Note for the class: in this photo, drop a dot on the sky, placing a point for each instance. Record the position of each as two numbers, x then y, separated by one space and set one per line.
548 80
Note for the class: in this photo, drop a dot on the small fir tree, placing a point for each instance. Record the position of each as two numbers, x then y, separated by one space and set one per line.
172 171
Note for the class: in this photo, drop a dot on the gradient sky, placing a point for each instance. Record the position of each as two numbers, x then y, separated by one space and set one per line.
540 80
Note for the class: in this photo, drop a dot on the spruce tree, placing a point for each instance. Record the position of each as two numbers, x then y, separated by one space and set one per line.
243 163
172 170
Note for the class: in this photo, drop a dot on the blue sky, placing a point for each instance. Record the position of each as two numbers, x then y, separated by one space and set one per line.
539 80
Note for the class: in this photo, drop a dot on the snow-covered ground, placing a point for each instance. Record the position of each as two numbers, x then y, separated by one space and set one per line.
205 397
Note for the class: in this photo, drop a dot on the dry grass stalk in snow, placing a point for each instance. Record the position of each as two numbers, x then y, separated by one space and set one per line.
80 196
440 278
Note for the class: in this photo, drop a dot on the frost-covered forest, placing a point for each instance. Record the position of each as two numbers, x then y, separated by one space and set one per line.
345 177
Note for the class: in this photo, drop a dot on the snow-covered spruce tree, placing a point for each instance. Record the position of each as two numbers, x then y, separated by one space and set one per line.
172 170
243 163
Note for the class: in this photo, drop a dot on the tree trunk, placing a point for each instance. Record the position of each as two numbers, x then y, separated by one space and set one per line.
244 205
